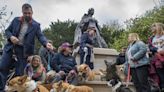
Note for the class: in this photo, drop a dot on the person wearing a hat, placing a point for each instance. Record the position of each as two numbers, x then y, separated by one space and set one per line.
86 47
64 63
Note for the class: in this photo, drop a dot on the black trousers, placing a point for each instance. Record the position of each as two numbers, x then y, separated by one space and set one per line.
88 58
160 72
140 78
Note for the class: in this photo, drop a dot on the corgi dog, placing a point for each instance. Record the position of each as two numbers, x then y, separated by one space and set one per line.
57 87
17 84
86 73
47 86
72 88
24 84
66 87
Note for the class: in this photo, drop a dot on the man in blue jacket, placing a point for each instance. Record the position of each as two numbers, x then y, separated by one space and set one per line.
20 35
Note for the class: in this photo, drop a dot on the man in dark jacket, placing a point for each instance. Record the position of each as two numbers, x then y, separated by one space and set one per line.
121 57
20 35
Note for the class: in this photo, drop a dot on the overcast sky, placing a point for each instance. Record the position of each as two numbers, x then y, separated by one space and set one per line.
46 11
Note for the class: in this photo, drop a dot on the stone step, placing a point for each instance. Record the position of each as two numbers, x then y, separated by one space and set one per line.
101 86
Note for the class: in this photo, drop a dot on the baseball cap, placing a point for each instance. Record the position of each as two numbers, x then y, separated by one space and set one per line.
66 44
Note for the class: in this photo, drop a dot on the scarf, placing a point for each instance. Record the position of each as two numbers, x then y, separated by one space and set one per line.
38 71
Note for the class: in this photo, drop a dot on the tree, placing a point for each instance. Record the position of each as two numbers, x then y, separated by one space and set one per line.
4 21
140 25
60 32
111 31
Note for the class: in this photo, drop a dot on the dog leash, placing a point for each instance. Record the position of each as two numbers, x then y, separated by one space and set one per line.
11 75
128 77
14 54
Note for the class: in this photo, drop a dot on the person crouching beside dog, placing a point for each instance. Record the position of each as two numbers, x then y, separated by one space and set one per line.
35 69
138 61
86 47
65 64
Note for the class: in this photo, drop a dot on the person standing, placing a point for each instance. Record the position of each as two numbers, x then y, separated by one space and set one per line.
138 62
156 46
86 47
21 35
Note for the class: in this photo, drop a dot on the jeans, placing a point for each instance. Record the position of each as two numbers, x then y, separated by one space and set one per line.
7 62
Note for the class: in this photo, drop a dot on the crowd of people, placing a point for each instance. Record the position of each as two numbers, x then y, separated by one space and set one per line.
144 61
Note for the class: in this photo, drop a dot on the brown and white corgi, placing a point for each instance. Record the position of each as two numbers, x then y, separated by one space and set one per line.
66 87
85 72
24 84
